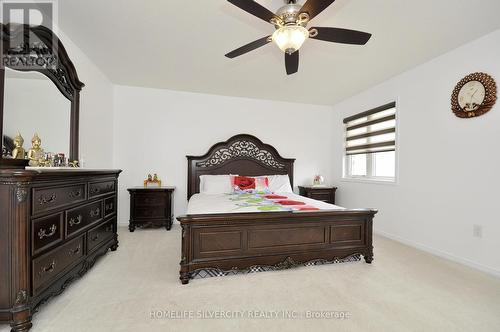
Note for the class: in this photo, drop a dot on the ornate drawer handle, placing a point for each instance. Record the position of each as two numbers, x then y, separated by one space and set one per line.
76 221
109 207
75 251
95 190
43 233
47 269
109 229
47 200
95 238
75 193
95 213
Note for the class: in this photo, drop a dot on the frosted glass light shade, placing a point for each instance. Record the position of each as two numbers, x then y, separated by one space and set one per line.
290 38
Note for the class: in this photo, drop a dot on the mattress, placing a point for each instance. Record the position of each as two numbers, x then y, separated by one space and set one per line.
251 203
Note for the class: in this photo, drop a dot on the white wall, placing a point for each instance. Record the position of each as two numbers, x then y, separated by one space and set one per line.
96 109
156 129
448 167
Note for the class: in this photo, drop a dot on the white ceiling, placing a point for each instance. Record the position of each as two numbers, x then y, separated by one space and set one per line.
180 45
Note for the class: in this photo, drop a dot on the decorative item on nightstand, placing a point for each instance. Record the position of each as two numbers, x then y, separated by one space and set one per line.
319 181
151 207
152 180
323 193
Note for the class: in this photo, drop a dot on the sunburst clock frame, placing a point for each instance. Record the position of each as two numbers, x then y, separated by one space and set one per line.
474 95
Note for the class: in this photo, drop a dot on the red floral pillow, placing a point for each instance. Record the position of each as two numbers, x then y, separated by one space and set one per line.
244 182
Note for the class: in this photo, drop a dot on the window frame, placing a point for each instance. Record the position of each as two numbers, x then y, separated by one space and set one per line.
370 161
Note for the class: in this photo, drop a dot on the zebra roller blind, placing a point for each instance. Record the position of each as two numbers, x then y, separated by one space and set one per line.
371 131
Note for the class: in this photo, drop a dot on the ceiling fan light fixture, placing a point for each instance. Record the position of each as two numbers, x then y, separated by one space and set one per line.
290 38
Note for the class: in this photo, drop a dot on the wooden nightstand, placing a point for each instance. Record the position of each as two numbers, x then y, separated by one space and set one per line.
325 194
151 207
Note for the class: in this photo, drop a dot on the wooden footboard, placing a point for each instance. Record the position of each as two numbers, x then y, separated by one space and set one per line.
243 241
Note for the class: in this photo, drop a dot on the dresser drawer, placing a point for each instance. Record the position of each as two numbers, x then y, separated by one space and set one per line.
47 199
83 216
46 232
100 234
47 267
109 206
151 199
98 189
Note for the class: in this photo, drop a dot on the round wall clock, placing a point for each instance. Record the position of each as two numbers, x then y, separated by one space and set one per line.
474 95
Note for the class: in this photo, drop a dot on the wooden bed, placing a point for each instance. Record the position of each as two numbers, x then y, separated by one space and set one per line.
224 243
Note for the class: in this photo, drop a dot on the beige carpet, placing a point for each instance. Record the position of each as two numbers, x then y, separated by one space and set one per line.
404 290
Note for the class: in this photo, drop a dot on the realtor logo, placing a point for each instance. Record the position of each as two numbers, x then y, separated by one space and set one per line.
26 32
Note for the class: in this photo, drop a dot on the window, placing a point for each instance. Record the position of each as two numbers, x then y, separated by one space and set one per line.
370 144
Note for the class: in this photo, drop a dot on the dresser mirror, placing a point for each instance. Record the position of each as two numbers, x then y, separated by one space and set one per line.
42 100
33 105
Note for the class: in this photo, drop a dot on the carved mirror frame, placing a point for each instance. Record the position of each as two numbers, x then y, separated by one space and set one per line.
63 75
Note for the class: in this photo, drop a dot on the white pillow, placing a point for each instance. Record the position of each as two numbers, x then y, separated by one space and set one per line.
280 184
215 184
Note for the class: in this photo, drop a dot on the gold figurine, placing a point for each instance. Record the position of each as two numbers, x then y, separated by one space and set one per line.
18 152
152 180
36 154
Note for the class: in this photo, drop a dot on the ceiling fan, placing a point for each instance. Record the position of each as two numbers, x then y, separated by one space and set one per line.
290 22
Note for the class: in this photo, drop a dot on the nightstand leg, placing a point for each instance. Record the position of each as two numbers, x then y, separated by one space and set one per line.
131 228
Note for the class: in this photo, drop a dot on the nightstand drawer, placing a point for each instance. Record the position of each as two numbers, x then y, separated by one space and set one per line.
321 196
150 212
325 194
143 200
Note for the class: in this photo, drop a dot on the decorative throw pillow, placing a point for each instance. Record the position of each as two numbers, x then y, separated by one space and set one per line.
250 184
243 182
262 184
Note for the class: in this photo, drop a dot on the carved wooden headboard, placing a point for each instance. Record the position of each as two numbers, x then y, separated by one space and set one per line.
242 155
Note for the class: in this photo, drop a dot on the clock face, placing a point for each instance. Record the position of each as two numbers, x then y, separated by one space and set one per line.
474 95
471 96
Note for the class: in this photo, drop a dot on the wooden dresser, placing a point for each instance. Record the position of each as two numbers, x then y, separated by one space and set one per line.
54 224
151 207
325 194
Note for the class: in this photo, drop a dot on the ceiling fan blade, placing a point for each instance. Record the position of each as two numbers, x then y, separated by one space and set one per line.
315 7
249 47
254 8
292 63
344 36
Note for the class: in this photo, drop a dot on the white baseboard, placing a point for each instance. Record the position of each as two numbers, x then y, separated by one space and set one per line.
440 253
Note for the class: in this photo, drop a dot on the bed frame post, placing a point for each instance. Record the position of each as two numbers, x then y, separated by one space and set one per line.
184 271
